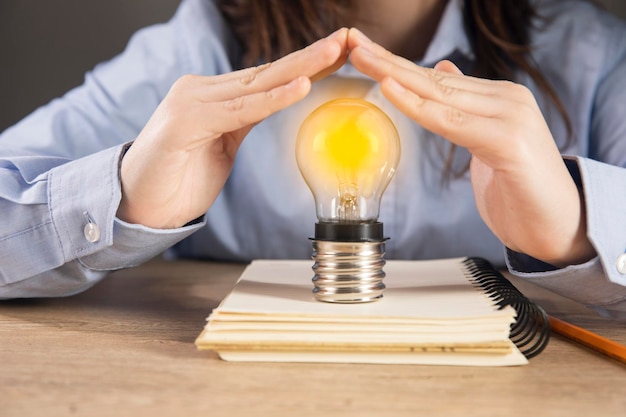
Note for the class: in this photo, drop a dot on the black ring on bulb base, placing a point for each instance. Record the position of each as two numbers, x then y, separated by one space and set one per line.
349 232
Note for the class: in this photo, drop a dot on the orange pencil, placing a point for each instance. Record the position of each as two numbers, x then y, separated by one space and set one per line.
591 340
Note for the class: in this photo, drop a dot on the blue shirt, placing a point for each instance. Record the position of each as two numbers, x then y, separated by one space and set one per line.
59 166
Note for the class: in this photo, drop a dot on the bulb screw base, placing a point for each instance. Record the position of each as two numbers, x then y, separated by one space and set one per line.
349 271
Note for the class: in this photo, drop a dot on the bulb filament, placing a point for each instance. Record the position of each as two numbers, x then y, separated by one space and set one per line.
348 209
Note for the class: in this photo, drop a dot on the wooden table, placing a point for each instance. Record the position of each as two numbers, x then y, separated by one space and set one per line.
126 347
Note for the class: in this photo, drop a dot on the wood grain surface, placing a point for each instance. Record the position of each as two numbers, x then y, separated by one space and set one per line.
125 347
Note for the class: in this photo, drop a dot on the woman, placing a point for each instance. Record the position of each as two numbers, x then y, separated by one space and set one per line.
82 201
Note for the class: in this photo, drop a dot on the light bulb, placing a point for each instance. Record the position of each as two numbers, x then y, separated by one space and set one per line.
347 151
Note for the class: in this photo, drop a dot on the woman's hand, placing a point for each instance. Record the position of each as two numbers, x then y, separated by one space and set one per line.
522 188
180 161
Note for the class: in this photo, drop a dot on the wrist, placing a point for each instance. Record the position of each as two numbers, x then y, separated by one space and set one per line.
577 249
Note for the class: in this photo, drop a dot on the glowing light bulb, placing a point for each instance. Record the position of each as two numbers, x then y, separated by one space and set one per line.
347 151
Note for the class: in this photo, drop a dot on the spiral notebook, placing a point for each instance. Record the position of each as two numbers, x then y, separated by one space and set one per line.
438 312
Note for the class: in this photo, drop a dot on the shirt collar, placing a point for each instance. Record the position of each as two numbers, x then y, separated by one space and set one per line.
450 36
449 39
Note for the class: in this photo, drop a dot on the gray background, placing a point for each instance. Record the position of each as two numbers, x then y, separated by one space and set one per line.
47 45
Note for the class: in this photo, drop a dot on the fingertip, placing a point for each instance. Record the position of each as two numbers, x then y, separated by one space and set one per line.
356 34
448 66
299 83
334 46
296 90
393 86
305 85
340 35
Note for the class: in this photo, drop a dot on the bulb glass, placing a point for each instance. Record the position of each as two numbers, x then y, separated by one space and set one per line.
347 151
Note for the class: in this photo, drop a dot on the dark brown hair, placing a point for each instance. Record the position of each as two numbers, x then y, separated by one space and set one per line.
500 34
499 31
269 29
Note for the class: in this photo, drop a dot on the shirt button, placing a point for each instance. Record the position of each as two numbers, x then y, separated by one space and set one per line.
92 232
621 264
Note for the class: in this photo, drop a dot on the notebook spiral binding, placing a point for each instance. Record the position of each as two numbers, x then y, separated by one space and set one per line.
531 330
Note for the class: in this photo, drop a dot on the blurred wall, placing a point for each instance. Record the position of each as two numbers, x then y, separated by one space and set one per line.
47 45
616 6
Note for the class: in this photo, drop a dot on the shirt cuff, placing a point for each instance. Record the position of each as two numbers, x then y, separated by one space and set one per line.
83 199
598 283
585 283
134 244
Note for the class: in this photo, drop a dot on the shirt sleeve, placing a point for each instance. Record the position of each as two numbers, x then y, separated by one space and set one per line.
59 167
58 256
601 282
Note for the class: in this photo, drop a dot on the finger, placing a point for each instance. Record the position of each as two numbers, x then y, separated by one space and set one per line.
242 111
315 61
378 63
359 43
471 83
463 128
340 36
448 66
474 101
465 93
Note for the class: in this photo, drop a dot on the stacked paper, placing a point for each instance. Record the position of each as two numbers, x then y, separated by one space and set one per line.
431 313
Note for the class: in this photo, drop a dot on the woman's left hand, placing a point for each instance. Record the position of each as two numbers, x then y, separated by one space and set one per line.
522 188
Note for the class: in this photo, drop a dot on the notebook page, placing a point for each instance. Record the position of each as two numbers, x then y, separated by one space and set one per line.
513 358
433 289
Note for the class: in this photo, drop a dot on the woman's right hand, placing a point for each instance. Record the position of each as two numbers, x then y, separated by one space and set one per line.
180 161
